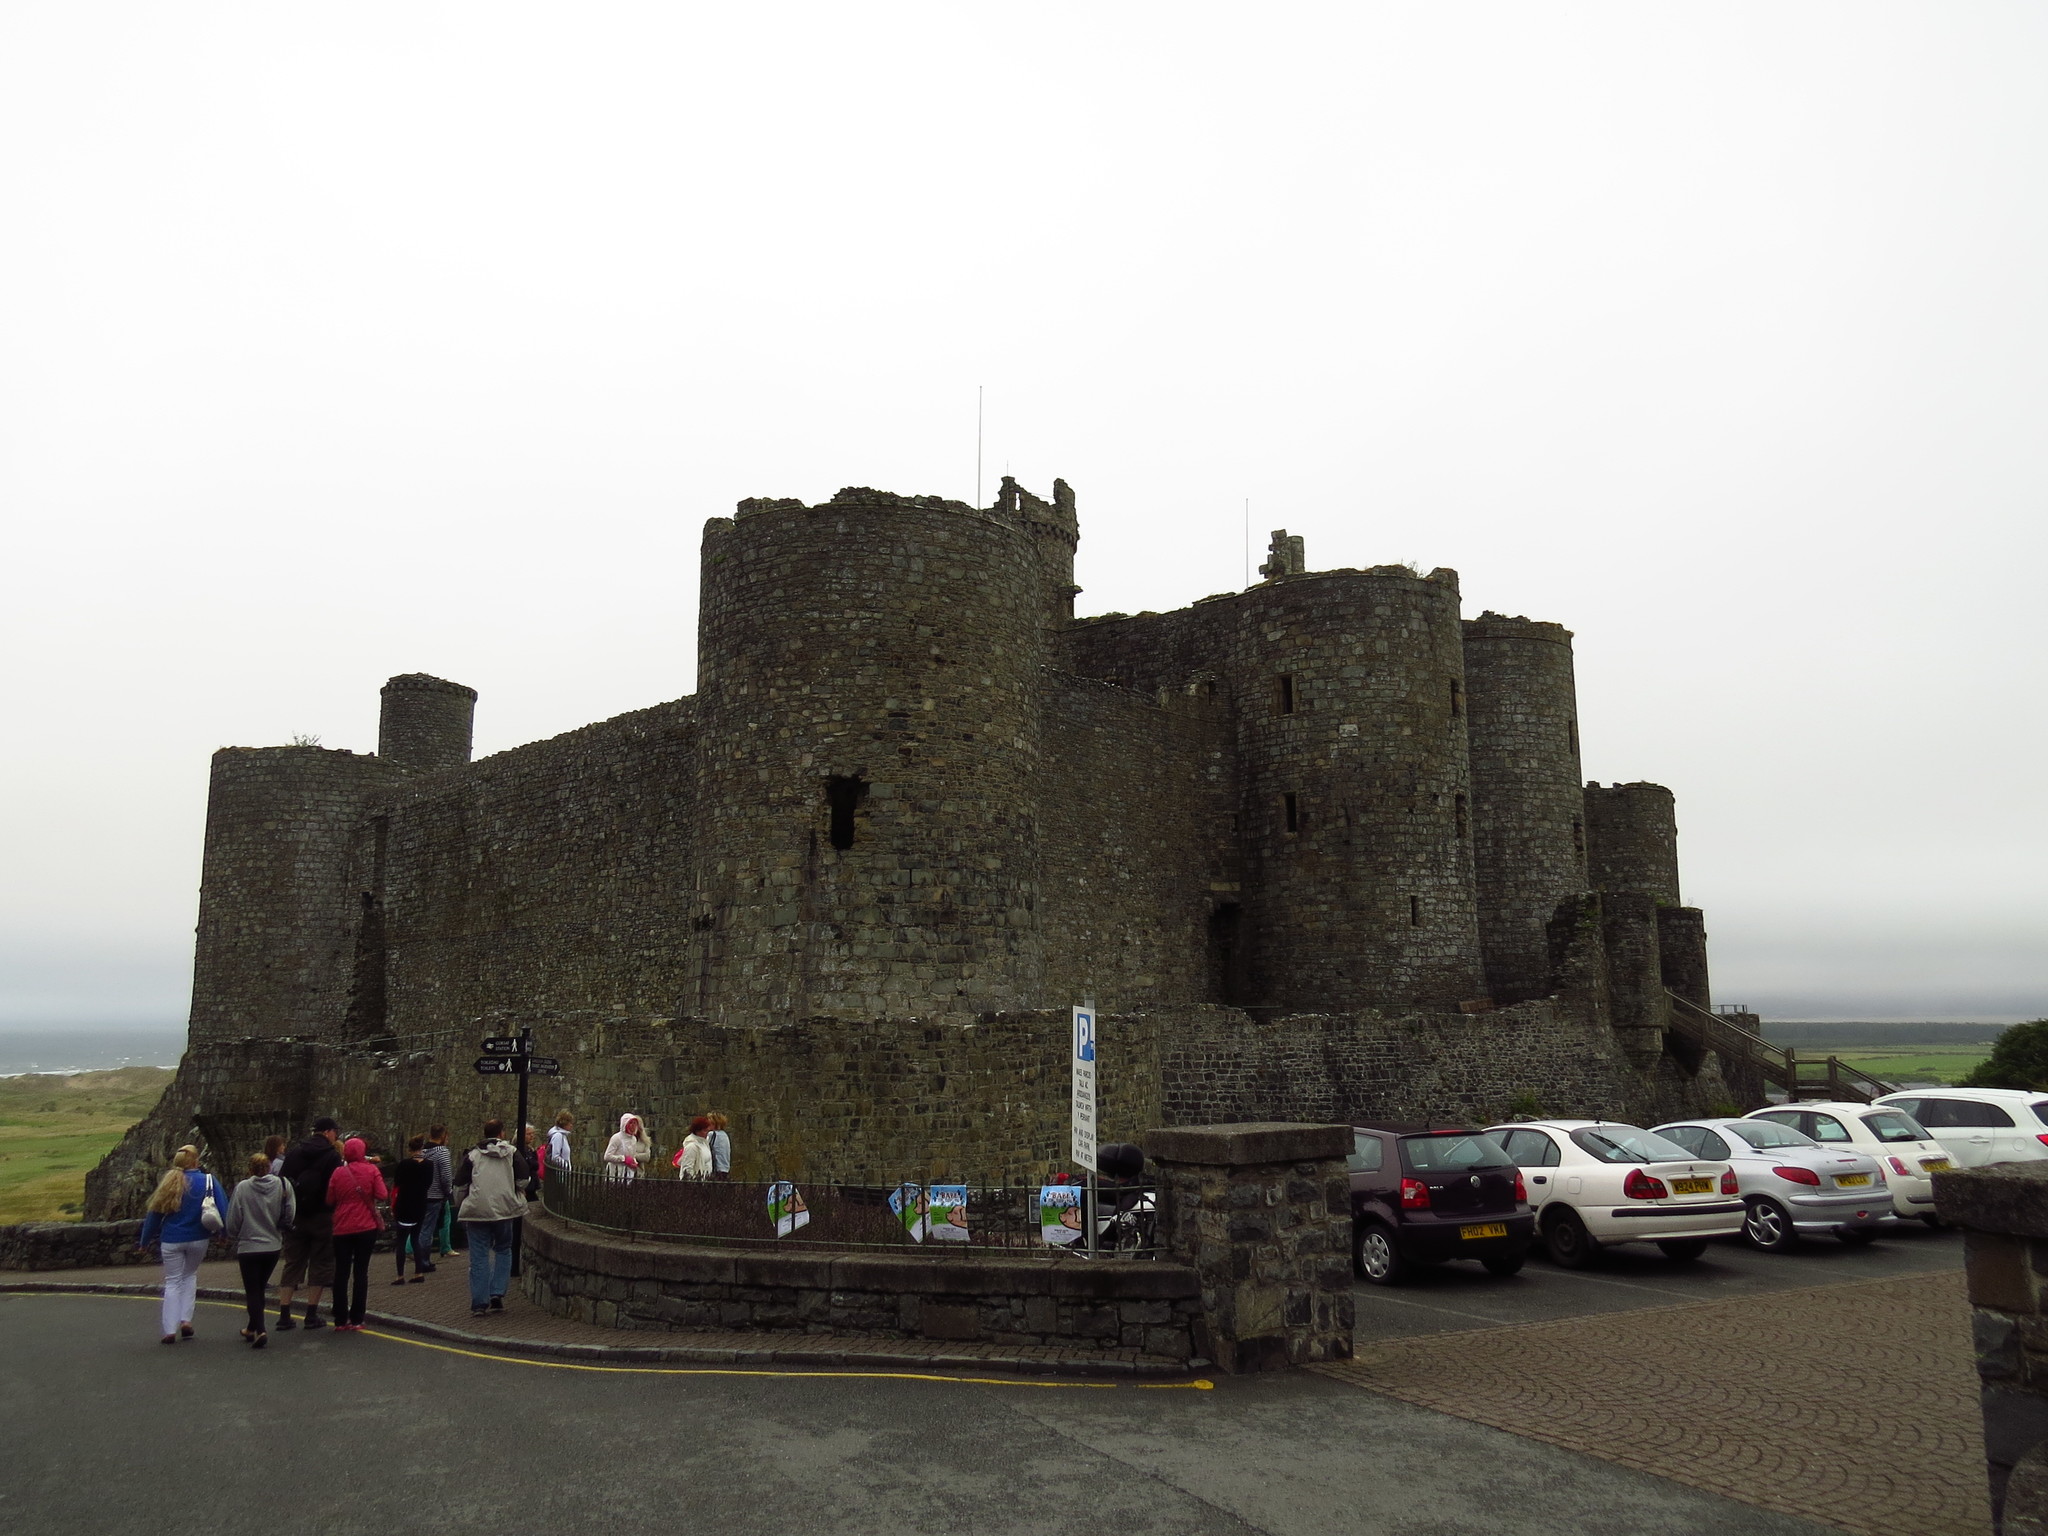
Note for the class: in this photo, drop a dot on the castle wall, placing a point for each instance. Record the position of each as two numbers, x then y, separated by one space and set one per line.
1528 812
1139 884
1632 840
278 902
556 875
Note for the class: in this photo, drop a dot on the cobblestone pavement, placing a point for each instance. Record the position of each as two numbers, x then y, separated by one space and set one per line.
440 1307
1852 1404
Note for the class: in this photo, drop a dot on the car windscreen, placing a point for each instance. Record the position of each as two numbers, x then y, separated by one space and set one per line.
1629 1144
1451 1154
1768 1133
1890 1125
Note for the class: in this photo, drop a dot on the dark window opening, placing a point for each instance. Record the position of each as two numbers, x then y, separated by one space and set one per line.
1414 911
1571 734
1457 699
843 796
1461 813
1226 954
1578 835
1292 805
1286 699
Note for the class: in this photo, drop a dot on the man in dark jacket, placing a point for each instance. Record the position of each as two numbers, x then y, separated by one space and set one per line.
309 1244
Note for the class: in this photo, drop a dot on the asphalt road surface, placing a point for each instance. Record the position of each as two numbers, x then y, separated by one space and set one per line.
110 1431
1452 1297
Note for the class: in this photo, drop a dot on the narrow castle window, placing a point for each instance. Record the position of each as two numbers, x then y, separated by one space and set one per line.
1285 699
1414 911
1571 734
843 795
1457 699
1462 815
1578 835
1292 806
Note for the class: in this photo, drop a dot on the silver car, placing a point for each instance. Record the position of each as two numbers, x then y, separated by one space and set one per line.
1791 1185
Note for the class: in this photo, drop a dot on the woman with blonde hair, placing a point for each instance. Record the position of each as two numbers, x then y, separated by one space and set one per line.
187 1208
628 1151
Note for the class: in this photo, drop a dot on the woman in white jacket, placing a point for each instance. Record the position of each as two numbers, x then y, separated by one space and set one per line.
693 1158
628 1151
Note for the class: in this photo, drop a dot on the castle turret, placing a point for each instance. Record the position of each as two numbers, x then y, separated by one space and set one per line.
425 722
1357 804
1528 812
1632 860
870 675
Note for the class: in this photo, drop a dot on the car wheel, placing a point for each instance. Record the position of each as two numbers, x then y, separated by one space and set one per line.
1684 1249
1374 1256
1569 1244
1767 1226
1505 1264
1857 1237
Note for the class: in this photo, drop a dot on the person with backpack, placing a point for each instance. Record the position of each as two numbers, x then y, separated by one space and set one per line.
493 1199
353 1191
185 1210
258 1217
410 1181
309 1241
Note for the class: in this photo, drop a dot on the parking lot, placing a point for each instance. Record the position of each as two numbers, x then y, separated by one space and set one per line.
1831 1383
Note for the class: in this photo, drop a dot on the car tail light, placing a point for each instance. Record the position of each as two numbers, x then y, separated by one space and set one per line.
1730 1185
1799 1175
2043 1139
1521 1189
1640 1186
1900 1166
1414 1195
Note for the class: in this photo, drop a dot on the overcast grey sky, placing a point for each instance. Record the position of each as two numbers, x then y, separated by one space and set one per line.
341 342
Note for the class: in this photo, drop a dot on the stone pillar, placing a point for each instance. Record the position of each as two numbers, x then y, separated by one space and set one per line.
1262 1211
2003 1211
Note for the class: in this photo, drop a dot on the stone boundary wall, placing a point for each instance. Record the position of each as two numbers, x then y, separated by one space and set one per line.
609 1282
38 1245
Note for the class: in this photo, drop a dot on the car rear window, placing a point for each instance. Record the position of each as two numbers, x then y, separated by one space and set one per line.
1629 1144
1367 1153
1890 1125
1438 1154
2040 1108
1768 1133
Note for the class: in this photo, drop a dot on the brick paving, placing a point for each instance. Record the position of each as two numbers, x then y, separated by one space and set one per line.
440 1309
1854 1405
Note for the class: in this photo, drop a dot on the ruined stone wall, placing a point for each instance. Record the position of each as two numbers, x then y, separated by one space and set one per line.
1136 808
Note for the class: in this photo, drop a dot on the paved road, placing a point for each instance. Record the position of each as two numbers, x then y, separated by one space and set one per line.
113 1432
1452 1297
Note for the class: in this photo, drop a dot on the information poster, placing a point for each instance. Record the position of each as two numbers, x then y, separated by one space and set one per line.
1059 1214
786 1208
907 1201
946 1205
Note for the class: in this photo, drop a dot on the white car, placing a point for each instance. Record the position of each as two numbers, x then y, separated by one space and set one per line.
1595 1183
1977 1126
1884 1131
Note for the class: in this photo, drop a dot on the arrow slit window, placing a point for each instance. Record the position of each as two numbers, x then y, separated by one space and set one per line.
843 796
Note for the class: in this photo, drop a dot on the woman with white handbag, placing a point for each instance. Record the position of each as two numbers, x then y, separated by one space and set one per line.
186 1210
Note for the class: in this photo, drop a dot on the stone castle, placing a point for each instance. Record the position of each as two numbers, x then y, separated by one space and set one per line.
1316 849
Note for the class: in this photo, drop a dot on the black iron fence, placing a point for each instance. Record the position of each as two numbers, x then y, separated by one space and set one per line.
940 1217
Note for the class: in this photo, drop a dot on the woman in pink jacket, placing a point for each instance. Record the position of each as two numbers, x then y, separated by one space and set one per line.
354 1191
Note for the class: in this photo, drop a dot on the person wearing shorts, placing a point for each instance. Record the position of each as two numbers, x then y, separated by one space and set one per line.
309 1243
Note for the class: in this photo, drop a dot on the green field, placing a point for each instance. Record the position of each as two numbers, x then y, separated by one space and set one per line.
1911 1063
54 1129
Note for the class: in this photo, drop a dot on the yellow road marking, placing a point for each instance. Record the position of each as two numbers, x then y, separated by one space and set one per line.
687 1370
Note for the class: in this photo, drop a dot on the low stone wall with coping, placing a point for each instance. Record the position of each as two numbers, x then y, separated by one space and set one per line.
37 1245
1051 1301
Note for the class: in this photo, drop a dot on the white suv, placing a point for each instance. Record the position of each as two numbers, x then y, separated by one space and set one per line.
1977 1126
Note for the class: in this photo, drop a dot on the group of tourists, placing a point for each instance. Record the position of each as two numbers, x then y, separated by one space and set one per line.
706 1152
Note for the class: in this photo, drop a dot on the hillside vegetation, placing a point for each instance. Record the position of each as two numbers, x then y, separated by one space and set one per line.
53 1129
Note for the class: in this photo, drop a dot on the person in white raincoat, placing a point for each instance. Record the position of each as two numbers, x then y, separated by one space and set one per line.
628 1150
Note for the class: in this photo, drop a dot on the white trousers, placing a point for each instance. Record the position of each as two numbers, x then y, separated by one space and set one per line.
181 1282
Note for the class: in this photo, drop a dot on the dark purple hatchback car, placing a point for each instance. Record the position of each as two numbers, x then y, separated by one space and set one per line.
1423 1196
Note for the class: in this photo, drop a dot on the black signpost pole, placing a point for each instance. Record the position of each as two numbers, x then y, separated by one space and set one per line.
525 1059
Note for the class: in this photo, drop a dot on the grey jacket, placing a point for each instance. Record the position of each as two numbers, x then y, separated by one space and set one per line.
444 1174
258 1214
493 1184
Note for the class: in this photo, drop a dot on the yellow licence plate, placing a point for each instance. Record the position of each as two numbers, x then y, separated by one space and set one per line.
1936 1164
1485 1229
1845 1180
1692 1186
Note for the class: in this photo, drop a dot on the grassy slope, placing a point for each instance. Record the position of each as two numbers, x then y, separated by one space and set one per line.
53 1129
1913 1063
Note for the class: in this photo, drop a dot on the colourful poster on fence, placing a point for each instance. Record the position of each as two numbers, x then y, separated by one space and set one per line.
908 1203
1059 1213
947 1204
786 1208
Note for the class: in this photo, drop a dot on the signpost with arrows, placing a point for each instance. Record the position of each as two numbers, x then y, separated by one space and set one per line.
510 1056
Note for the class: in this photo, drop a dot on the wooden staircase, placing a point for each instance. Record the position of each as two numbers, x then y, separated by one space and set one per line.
1779 1065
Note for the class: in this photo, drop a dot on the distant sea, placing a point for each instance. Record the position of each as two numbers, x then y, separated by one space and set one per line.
87 1050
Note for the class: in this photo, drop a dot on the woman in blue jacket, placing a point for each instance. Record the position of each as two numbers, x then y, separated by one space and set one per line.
177 1220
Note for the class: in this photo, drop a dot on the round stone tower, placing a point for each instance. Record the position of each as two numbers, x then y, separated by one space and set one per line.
425 723
1632 841
1356 821
869 683
1528 812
